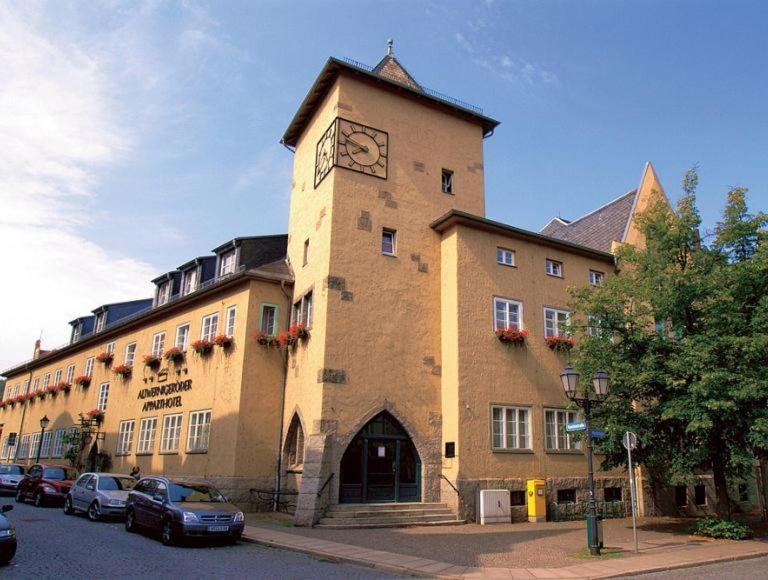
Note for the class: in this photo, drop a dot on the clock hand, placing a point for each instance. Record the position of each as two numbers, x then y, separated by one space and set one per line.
363 147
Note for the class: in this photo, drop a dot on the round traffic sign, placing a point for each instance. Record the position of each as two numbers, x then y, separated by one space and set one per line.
629 441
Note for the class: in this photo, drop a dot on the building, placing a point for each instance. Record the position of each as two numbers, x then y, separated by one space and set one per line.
395 387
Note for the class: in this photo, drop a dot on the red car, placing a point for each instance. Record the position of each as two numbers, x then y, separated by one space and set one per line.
46 484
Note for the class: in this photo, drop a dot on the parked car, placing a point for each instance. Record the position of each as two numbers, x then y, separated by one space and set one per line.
7 536
180 509
46 484
10 476
99 494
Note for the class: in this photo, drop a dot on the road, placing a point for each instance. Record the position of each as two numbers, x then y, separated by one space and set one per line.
753 569
52 544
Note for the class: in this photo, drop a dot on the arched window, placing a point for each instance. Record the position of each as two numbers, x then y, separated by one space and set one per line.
294 445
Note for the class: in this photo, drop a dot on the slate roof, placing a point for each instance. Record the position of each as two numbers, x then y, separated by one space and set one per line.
391 68
599 228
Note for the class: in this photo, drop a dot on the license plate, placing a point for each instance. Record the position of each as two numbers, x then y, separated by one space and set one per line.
218 528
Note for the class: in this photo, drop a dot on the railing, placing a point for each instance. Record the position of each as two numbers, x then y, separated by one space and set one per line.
431 92
565 512
271 500
327 481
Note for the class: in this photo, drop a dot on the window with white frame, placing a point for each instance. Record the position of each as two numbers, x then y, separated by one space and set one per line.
130 354
388 242
199 431
125 437
596 278
103 394
26 386
58 443
306 310
446 182
89 366
230 326
171 435
35 384
100 322
554 268
6 447
24 447
147 429
227 264
556 438
57 377
268 319
158 344
110 347
76 332
46 380
45 449
163 293
511 427
190 282
182 336
70 373
505 256
508 314
35 445
210 326
556 322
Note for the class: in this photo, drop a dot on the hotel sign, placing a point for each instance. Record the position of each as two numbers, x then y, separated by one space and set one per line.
164 396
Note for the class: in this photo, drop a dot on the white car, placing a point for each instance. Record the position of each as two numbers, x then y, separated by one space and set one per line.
10 476
99 495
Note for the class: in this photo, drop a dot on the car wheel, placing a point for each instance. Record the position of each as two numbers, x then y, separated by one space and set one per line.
168 536
94 514
38 499
19 496
130 521
68 509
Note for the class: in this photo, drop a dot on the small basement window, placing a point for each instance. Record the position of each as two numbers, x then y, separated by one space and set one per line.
517 498
447 181
612 494
566 496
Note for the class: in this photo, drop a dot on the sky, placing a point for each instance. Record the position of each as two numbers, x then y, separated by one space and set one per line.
137 135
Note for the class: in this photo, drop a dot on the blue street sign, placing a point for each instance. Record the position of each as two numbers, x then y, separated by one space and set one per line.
597 433
571 427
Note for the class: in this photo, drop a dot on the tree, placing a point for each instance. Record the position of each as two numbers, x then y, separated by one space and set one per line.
683 332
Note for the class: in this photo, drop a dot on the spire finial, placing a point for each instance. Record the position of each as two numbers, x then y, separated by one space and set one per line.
390 42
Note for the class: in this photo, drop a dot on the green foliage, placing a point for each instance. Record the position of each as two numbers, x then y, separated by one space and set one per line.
721 529
73 443
684 336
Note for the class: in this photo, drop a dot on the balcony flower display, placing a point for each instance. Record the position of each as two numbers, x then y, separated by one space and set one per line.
123 370
174 354
560 343
63 387
95 415
202 346
82 380
268 340
152 361
286 339
223 341
105 357
299 331
512 335
43 392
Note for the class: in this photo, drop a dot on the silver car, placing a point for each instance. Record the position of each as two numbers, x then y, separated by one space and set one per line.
99 495
10 476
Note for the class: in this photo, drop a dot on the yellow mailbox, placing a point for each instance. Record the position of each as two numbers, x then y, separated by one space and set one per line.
537 500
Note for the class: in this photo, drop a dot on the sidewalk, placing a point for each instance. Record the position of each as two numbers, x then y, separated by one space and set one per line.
656 552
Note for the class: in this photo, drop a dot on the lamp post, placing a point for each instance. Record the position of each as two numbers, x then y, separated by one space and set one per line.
600 383
43 424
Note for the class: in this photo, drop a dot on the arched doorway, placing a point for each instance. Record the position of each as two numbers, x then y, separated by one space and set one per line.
380 464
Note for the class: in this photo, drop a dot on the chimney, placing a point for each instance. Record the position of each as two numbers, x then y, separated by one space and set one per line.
36 354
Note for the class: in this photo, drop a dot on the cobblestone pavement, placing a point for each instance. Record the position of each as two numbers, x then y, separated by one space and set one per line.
753 569
52 544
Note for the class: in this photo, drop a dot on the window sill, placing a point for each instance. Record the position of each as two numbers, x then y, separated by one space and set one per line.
389 255
123 454
168 453
507 265
564 451
555 275
295 469
143 453
196 451
522 451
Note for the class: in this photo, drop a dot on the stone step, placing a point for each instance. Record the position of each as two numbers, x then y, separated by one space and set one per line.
394 513
364 525
390 518
385 506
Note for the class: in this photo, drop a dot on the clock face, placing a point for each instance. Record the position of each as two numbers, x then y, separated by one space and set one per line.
362 148
325 156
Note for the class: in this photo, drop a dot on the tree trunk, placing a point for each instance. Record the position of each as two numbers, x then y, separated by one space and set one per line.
722 500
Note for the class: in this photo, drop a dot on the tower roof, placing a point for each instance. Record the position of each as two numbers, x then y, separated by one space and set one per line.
389 67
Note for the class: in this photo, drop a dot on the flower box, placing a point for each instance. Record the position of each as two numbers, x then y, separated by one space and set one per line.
105 357
95 415
152 361
123 370
286 339
512 335
43 393
174 354
300 331
63 387
267 340
202 346
82 380
223 341
560 343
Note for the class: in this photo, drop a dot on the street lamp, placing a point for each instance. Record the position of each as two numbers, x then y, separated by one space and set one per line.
43 424
601 383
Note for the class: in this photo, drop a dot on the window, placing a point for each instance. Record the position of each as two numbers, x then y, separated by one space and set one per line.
199 431
26 384
58 443
35 446
681 496
182 336
231 312
99 322
507 314
306 310
305 260
510 428
89 366
612 494
130 354
699 495
103 394
70 373
743 492
36 384
147 435
158 344
75 333
556 322
46 380
517 498
57 377
125 437
566 496
227 263
190 282
447 181
596 278
46 445
388 246
169 440
210 325
294 444
24 447
556 438
268 319
4 452
555 268
110 347
505 256
163 293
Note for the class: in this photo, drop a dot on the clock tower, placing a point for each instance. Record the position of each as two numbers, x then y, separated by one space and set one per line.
378 158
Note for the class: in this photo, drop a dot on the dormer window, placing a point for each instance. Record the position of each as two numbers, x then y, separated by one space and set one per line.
100 321
227 265
76 332
163 293
190 282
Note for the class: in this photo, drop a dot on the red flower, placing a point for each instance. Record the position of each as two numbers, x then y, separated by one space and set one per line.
105 357
82 380
123 370
223 340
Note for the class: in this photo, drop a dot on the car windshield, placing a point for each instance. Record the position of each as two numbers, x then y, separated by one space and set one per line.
111 483
59 473
189 492
11 470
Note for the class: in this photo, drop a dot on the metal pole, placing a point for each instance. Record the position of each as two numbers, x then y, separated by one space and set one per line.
594 546
633 497
40 445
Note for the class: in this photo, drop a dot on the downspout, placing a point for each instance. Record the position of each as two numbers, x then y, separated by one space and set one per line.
21 423
278 475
